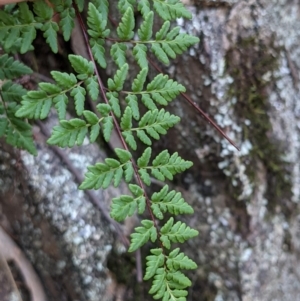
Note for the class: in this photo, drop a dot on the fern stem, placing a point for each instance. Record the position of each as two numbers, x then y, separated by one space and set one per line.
198 109
116 124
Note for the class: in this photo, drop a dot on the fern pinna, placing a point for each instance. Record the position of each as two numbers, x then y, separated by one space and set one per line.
116 108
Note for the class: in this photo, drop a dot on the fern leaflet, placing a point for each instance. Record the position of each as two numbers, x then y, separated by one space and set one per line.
172 202
101 174
179 261
126 205
142 235
170 10
178 232
126 26
164 166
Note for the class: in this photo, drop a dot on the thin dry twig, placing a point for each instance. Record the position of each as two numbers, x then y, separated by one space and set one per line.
10 251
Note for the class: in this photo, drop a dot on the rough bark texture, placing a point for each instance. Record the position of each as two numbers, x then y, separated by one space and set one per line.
245 74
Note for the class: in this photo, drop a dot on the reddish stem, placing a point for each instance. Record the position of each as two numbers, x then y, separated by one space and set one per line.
116 124
198 109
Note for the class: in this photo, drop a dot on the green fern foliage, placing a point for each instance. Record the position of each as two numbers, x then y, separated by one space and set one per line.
126 26
169 282
142 235
101 174
179 261
37 104
164 166
172 202
18 27
132 101
170 44
69 133
16 131
170 10
126 205
178 232
151 126
10 69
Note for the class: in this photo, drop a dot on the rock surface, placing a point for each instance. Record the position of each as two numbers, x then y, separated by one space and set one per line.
245 75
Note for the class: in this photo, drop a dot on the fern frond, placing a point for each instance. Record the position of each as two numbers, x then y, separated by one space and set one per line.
66 23
102 6
126 120
82 66
107 127
94 133
69 133
143 137
129 171
91 117
44 12
172 202
160 53
35 104
93 120
169 44
145 176
123 5
176 279
98 51
79 96
143 161
20 26
116 84
148 102
129 138
154 262
171 10
11 92
145 30
100 175
131 100
97 21
161 34
117 52
169 285
50 30
60 103
92 87
178 232
175 163
64 80
144 7
104 109
142 235
159 286
152 124
114 102
126 205
138 82
10 68
28 32
156 123
126 26
163 165
140 54
163 90
17 132
80 4
179 261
